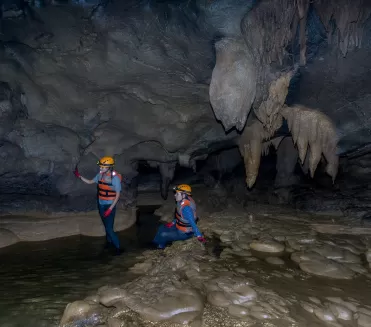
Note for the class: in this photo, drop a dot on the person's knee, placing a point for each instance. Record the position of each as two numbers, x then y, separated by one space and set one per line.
164 234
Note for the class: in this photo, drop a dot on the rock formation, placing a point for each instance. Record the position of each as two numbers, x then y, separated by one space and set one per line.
263 275
164 82
263 48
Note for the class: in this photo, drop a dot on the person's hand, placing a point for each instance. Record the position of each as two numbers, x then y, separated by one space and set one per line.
169 225
76 173
201 239
107 213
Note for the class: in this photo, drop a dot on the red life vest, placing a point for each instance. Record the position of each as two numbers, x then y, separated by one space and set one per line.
181 223
105 187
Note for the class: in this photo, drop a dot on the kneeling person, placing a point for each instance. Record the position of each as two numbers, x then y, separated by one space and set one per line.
184 225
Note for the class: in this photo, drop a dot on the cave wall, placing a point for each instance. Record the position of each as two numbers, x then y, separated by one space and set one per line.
169 82
287 158
128 79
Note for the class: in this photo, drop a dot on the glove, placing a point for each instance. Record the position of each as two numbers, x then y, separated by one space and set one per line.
107 213
201 239
76 173
169 225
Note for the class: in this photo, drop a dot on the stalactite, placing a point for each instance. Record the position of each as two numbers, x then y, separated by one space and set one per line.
303 6
250 147
313 129
259 28
269 110
269 120
313 133
349 16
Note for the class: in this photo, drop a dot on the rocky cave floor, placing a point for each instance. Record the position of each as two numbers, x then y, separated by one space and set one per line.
262 266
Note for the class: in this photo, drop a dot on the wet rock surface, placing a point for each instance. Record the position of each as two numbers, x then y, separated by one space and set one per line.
45 227
274 267
83 313
7 238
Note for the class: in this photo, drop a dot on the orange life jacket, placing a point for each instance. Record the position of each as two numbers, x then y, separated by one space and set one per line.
181 223
105 188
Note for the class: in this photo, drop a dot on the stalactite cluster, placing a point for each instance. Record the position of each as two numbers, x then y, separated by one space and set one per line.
344 21
312 130
313 133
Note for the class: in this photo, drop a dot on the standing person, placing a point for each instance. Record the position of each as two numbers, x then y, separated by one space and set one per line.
109 188
184 225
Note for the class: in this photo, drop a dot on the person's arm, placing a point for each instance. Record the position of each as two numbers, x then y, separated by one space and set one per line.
85 180
116 183
171 223
188 214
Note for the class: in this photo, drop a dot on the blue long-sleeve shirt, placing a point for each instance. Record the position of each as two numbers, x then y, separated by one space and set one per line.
187 213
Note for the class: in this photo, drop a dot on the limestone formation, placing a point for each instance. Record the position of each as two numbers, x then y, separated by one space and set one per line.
141 82
318 265
349 28
267 246
275 261
311 128
35 228
101 89
82 313
233 87
337 311
250 146
188 283
7 238
269 108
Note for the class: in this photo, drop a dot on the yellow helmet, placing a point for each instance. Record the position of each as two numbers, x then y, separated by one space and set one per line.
183 188
106 162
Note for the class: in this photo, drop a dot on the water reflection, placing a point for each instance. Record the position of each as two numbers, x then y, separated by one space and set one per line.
38 279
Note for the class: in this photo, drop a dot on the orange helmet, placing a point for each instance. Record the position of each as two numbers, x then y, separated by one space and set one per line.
184 188
106 162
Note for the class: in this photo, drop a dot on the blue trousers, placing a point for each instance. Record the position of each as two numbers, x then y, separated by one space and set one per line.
108 223
167 235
